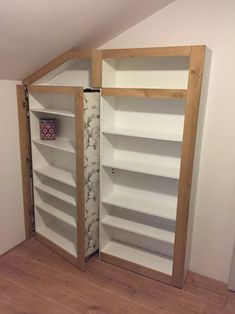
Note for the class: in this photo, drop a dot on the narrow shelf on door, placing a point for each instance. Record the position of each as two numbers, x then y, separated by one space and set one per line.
57 112
56 193
175 137
169 171
55 212
58 239
140 229
59 144
161 207
139 256
58 174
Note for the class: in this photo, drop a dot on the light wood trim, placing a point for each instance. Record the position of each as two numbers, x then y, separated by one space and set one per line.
145 93
178 51
51 89
54 247
25 154
47 68
187 157
96 68
80 54
71 54
135 268
80 179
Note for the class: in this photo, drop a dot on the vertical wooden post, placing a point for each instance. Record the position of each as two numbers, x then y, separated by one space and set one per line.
187 157
96 68
79 147
25 153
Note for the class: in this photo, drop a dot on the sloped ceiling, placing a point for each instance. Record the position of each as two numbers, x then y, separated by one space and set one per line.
32 32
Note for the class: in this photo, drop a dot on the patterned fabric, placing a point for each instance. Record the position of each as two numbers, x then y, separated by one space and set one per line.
91 160
48 129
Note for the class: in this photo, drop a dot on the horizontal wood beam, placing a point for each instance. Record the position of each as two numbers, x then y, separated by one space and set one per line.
145 93
179 51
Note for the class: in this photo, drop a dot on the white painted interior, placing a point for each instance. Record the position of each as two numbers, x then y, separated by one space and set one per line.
70 73
146 72
140 161
34 33
209 22
12 229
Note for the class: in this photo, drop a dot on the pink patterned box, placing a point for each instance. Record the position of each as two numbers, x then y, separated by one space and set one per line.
48 129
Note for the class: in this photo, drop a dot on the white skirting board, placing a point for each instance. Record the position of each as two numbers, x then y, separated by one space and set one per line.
231 281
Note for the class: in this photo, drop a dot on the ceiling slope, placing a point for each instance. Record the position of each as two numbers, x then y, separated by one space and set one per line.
32 33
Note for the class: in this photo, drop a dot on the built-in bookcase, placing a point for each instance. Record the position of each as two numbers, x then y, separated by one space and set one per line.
149 107
149 103
54 167
65 170
61 176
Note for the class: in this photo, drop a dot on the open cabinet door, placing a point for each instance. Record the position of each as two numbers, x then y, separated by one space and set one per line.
25 151
58 169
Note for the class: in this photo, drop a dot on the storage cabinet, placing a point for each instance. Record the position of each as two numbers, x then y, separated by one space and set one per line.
149 105
65 171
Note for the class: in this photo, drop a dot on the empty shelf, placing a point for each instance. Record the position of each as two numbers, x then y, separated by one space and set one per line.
140 229
58 239
144 134
58 174
164 209
55 212
139 256
56 193
144 167
59 144
64 113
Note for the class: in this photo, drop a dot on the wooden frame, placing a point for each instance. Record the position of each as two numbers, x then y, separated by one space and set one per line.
25 152
79 137
192 98
187 157
145 93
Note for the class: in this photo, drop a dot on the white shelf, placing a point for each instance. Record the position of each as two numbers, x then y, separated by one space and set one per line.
55 212
168 171
175 137
56 238
139 256
140 229
56 193
59 144
64 113
58 174
160 208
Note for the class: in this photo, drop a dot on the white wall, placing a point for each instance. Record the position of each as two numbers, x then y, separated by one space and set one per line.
210 22
11 203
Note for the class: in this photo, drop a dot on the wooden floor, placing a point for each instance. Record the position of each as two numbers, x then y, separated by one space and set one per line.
35 280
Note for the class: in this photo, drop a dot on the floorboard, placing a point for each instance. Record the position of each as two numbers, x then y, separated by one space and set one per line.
35 280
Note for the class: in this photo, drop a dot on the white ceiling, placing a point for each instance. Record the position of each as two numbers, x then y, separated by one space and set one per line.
34 32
